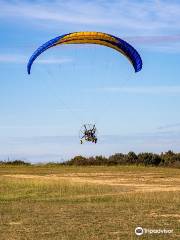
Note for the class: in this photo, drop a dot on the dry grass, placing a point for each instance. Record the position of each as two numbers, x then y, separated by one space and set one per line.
101 203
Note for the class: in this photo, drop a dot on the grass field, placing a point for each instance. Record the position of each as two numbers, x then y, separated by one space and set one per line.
89 203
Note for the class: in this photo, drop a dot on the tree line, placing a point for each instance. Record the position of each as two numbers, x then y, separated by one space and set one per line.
167 159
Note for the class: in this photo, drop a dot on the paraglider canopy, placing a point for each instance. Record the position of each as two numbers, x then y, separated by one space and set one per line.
100 38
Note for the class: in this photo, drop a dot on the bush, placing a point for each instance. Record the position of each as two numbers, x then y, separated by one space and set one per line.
15 162
169 159
78 160
115 159
149 159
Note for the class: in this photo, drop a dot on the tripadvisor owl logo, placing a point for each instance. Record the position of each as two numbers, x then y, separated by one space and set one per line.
139 231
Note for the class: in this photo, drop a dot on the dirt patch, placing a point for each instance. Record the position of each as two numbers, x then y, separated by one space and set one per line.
138 183
15 223
172 215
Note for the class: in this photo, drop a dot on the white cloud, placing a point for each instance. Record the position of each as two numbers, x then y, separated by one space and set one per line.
155 39
162 43
143 89
155 16
55 60
22 59
171 126
155 23
69 109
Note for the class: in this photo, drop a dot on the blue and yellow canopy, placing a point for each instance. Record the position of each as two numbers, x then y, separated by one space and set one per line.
91 38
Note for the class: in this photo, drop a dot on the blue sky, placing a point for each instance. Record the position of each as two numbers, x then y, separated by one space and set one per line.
41 114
